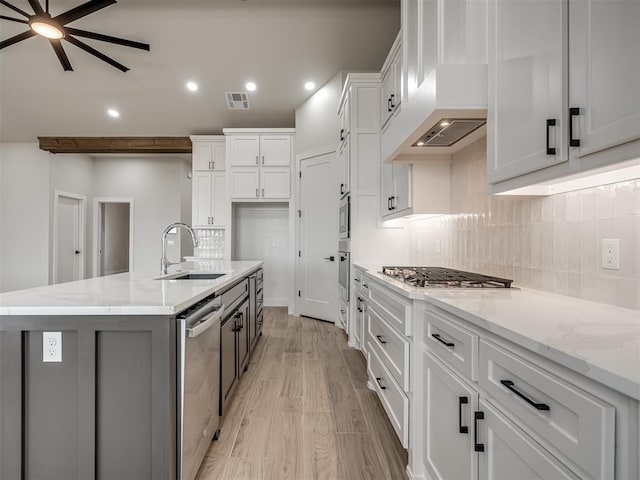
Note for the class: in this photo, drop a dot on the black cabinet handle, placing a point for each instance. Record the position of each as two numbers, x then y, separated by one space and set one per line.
393 202
341 134
573 112
356 280
508 384
478 447
379 337
389 107
462 428
392 97
331 258
77 252
551 122
438 338
379 380
389 204
341 188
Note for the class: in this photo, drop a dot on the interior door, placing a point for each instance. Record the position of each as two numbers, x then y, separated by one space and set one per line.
68 249
318 236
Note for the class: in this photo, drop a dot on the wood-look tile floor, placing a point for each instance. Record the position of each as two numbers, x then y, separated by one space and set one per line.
303 411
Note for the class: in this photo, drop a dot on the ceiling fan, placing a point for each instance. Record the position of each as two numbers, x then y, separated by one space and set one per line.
56 29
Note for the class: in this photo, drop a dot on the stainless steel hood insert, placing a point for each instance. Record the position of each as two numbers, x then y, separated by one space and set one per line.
446 132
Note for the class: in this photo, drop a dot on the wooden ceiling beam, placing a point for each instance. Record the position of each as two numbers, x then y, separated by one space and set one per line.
138 145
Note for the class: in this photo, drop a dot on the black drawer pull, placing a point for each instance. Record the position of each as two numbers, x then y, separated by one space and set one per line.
551 122
379 337
392 97
341 134
437 337
510 386
378 379
573 112
462 428
478 447
389 106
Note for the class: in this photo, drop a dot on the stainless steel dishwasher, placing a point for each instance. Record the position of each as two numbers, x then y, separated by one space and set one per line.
199 381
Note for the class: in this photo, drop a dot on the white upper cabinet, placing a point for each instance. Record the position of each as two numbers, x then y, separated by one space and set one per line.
209 199
526 117
344 162
604 73
208 152
344 116
244 150
564 94
391 90
259 163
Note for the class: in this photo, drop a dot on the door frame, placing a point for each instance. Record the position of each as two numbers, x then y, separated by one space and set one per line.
82 231
97 217
297 274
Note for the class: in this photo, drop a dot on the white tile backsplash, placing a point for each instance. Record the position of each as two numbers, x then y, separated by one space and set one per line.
550 243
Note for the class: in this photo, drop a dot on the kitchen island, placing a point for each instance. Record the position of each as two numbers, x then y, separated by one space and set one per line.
111 407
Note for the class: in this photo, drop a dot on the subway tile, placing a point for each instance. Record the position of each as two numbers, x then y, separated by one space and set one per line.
548 233
536 210
574 206
560 208
560 246
574 247
574 284
606 292
536 245
589 202
627 292
547 209
589 286
624 199
589 245
525 246
604 201
561 282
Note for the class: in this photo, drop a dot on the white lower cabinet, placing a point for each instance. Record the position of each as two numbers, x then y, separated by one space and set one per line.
509 453
449 406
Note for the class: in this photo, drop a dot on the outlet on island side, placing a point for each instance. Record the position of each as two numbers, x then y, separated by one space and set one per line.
52 347
611 253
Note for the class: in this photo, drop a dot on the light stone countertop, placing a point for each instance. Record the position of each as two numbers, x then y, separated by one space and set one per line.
599 341
134 293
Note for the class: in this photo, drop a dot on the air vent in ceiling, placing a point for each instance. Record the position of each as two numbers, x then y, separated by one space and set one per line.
237 100
448 131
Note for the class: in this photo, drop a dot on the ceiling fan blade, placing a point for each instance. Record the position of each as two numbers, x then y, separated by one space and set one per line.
62 56
95 53
19 20
108 38
14 8
83 10
37 8
17 38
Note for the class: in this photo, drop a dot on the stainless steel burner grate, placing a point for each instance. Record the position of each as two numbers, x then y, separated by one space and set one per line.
444 277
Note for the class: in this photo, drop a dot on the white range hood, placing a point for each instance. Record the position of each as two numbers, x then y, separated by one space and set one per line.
443 115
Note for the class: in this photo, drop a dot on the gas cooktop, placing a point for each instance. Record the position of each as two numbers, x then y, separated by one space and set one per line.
438 277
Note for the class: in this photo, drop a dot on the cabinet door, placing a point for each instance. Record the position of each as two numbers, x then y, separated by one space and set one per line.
275 182
387 189
275 150
387 90
396 98
604 72
202 198
510 453
243 336
244 182
219 201
343 121
244 150
228 365
202 155
449 404
402 192
343 169
219 155
527 64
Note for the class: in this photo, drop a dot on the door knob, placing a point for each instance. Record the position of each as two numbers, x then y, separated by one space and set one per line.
77 252
331 258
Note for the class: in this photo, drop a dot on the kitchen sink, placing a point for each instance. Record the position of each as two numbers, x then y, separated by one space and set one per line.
193 276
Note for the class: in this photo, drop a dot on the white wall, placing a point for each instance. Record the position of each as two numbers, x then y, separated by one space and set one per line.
261 232
72 174
154 185
317 118
24 216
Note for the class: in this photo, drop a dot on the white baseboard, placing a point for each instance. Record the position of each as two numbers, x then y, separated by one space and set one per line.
414 477
276 302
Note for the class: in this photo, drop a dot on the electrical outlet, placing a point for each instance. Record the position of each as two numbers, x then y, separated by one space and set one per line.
611 253
52 346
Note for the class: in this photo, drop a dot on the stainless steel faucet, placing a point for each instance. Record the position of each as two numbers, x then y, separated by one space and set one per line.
164 261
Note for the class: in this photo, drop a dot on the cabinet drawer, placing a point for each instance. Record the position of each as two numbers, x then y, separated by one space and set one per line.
343 313
391 346
358 277
393 399
578 425
393 308
456 346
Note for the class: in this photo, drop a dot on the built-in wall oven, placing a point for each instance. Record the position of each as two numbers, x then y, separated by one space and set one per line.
344 266
344 227
199 382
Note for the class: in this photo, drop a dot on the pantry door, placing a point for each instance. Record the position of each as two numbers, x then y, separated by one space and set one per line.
68 237
318 237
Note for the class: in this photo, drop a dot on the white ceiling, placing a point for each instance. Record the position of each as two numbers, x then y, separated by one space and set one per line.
219 44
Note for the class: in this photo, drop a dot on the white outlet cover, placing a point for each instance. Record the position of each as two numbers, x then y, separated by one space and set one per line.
610 254
52 347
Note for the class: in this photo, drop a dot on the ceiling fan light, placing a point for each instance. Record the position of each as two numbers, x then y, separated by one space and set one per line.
46 28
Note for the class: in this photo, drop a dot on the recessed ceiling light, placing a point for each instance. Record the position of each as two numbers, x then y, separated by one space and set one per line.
250 86
113 113
444 123
192 86
309 86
